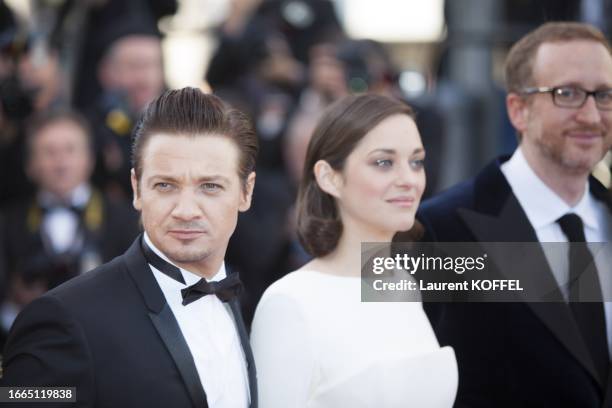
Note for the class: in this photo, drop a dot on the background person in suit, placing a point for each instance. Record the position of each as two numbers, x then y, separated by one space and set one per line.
139 331
67 227
559 80
130 72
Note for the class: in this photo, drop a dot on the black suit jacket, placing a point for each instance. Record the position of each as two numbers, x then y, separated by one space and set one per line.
509 354
107 227
111 334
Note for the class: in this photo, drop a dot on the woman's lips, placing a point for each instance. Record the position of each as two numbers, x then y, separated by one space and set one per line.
403 202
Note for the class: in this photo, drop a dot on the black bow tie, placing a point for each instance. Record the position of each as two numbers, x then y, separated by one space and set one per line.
225 289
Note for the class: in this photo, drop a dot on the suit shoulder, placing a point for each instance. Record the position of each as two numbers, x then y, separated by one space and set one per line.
446 202
47 347
440 217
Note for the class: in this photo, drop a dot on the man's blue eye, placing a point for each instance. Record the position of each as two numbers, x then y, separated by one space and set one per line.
162 186
568 93
604 96
211 186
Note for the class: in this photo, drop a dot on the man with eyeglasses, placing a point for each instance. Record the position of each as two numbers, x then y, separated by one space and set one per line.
524 353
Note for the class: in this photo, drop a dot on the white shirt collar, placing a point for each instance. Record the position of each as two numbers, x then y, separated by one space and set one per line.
189 277
541 204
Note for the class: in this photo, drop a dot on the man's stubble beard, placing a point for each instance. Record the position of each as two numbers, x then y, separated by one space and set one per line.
189 255
566 157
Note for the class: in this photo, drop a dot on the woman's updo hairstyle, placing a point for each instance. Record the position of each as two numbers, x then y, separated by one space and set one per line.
338 132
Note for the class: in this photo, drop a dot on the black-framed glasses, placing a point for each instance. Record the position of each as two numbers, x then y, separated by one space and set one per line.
574 97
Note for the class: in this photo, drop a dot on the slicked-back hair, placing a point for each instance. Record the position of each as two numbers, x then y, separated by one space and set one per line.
520 59
338 132
192 113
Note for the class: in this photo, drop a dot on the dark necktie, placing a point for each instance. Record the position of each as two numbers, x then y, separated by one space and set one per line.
225 289
584 284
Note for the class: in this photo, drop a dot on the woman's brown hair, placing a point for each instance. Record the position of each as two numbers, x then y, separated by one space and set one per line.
341 128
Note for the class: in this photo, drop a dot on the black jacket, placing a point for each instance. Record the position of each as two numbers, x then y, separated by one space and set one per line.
111 334
509 354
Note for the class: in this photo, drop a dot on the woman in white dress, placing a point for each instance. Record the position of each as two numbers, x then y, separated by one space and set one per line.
315 343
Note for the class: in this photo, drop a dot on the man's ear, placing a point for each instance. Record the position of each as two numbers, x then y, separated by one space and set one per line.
518 111
247 193
136 200
328 179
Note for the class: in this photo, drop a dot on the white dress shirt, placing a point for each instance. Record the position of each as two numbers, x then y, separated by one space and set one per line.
61 225
209 329
543 207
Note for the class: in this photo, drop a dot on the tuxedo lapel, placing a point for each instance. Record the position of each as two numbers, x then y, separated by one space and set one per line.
164 322
246 347
554 313
499 217
514 258
170 333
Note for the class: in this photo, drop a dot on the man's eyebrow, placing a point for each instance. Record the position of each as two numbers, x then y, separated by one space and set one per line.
214 177
202 179
161 177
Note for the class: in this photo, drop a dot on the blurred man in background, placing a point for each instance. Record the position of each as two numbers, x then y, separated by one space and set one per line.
67 227
131 75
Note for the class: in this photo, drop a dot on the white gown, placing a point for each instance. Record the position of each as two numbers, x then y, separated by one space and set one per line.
317 345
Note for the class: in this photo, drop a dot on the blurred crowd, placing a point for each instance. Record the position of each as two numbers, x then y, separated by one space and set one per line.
73 82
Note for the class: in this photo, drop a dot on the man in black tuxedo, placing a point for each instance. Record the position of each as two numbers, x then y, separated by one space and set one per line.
158 326
67 227
526 354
